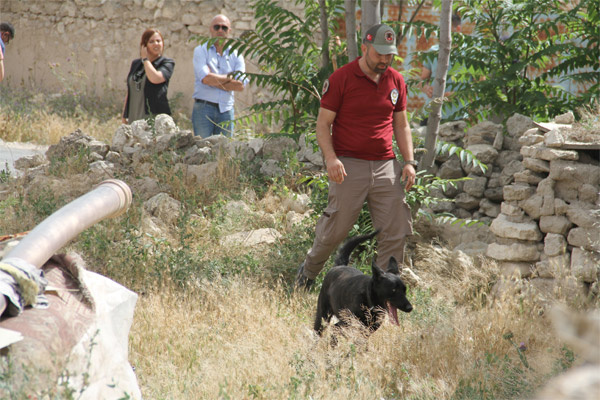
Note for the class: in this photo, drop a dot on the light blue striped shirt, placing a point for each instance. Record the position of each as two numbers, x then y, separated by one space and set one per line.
207 61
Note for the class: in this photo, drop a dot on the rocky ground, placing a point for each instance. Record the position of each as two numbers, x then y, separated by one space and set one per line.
12 151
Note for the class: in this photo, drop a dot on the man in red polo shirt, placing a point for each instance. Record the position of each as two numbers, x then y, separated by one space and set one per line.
362 107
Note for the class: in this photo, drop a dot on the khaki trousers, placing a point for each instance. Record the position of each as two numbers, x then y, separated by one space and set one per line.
380 184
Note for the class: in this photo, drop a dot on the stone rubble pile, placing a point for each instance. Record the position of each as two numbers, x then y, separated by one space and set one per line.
131 154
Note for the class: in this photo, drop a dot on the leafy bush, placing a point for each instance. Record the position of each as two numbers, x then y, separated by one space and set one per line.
520 56
518 47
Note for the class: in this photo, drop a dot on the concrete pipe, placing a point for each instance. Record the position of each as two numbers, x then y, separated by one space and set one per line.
109 199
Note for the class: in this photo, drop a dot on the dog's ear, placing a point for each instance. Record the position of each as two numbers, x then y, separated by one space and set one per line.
377 272
393 266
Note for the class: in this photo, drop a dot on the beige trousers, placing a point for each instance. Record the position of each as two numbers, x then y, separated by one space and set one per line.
380 184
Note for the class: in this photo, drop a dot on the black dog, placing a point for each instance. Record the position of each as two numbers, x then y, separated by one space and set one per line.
365 297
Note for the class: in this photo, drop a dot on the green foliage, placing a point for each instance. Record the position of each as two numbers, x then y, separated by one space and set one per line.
414 28
75 163
5 174
515 47
420 194
452 220
284 46
515 383
520 53
565 361
38 204
581 61
43 203
465 156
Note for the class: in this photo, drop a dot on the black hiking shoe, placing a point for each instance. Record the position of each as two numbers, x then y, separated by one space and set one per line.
302 282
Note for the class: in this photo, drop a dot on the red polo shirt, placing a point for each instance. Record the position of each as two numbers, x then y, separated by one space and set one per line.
364 111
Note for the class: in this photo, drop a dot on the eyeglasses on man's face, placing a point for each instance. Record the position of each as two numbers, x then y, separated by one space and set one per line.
224 28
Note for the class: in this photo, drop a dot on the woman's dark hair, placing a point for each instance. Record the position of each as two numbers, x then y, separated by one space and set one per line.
148 33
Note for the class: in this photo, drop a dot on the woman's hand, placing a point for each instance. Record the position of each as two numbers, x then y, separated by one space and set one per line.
143 52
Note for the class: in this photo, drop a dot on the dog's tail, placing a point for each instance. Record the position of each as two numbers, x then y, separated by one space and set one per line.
343 256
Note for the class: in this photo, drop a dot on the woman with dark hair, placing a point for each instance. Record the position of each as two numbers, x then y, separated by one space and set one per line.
148 80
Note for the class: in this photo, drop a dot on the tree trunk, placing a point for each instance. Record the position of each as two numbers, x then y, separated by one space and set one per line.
400 37
323 19
439 86
371 14
350 6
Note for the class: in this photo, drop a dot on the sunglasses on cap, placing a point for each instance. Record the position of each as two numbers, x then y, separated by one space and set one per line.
224 28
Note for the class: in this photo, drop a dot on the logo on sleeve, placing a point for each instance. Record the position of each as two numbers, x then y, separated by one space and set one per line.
394 96
325 86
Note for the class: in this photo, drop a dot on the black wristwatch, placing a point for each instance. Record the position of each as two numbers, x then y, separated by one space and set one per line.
144 59
414 163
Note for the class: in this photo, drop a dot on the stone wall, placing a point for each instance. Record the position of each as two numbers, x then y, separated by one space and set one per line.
549 224
540 194
96 41
479 196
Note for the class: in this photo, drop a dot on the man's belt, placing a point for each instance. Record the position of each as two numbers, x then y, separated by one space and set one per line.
210 103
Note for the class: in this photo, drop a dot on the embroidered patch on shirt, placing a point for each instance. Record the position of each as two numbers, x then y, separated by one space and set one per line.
394 96
325 86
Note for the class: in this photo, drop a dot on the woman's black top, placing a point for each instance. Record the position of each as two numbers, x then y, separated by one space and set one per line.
155 95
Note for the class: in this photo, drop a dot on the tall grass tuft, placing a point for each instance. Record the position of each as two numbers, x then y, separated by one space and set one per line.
43 118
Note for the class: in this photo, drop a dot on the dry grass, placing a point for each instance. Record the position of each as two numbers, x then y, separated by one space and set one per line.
587 129
241 338
44 128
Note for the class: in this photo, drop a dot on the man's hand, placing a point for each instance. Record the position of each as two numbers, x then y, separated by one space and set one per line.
409 176
234 85
336 170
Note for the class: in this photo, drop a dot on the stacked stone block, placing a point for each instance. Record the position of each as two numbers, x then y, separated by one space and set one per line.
549 221
479 197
